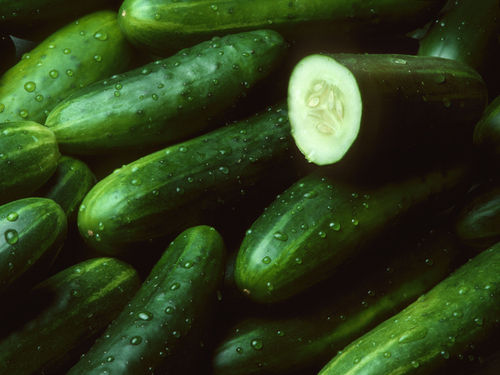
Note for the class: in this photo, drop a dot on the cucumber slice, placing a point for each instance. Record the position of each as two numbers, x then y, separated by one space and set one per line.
325 105
365 107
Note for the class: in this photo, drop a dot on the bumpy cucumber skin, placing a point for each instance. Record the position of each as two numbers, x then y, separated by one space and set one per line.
28 157
318 223
478 225
166 313
167 191
67 60
464 32
166 100
461 310
411 104
69 184
165 25
305 336
32 229
72 306
486 136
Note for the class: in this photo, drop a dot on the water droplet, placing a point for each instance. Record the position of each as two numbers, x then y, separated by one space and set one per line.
2 107
183 149
478 321
412 335
30 86
280 236
387 354
169 310
298 260
322 234
23 113
53 74
66 51
445 354
136 340
355 222
310 194
157 16
176 334
415 364
39 98
335 226
399 61
266 260
136 182
145 71
187 264
224 170
145 315
256 344
239 349
70 73
117 93
102 36
175 286
154 96
98 58
13 216
110 358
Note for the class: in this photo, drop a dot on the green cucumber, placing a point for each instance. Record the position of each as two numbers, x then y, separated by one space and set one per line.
32 231
64 312
168 312
318 224
22 15
305 335
166 100
69 184
487 131
81 53
28 157
460 311
464 32
169 190
366 106
478 225
166 25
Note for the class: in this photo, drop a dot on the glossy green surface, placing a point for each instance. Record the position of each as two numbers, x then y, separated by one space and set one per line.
487 131
167 314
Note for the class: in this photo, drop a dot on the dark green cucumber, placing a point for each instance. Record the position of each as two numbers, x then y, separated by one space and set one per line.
478 225
363 107
487 131
463 309
291 342
166 100
69 184
23 15
167 313
167 191
32 233
28 157
464 32
81 53
319 223
166 25
65 311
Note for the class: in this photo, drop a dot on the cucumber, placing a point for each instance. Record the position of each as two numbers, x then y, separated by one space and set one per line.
28 157
486 136
319 223
464 32
165 25
166 100
478 225
366 106
168 312
460 311
32 233
65 311
69 184
22 15
304 335
171 189
80 53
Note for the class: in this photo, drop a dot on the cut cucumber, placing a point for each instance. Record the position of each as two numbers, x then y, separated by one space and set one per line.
383 105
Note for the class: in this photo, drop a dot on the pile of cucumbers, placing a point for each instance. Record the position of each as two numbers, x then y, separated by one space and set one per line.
249 187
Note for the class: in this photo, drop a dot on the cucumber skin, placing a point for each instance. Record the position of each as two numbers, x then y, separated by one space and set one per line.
71 307
175 186
167 100
69 184
185 279
460 311
464 32
410 106
114 54
478 224
304 335
165 25
486 136
301 222
28 158
41 227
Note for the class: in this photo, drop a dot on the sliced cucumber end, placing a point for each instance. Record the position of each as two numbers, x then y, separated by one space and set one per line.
325 106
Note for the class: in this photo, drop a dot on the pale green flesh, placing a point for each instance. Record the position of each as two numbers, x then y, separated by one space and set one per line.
325 109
